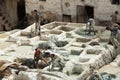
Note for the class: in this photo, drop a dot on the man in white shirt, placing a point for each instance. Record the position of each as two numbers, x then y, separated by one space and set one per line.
90 25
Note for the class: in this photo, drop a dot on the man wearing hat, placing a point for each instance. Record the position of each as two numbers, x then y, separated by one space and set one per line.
114 35
5 68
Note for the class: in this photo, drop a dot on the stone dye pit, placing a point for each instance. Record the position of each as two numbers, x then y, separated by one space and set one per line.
79 51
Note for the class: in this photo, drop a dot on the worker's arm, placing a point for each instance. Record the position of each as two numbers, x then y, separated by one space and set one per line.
34 56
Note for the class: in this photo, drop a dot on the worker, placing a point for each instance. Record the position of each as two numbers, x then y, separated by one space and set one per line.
38 56
90 25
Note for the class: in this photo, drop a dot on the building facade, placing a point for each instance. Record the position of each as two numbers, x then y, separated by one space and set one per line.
62 10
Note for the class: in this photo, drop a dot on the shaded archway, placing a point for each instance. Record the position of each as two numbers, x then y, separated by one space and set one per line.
21 9
89 11
21 13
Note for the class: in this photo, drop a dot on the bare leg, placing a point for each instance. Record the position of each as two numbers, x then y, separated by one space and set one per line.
45 61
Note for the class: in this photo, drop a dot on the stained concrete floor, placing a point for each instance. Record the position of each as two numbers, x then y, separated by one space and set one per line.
28 51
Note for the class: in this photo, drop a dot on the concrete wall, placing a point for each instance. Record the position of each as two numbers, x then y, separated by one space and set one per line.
11 10
55 9
102 8
48 6
69 8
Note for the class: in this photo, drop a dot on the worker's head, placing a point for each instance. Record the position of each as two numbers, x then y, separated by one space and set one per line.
116 25
27 14
116 12
35 10
49 47
52 55
36 49
107 28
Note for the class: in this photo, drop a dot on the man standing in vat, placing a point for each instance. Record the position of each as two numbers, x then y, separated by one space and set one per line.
114 35
114 18
37 23
90 25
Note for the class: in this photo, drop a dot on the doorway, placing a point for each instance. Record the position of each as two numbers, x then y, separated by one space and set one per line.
80 16
21 9
89 11
21 13
84 13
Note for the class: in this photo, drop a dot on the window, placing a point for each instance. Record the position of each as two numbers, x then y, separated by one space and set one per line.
117 2
42 0
67 18
67 4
